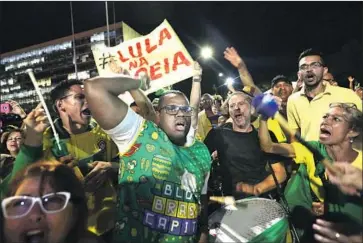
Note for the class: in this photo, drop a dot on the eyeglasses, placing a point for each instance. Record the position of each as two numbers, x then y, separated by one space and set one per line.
19 206
174 109
343 105
313 65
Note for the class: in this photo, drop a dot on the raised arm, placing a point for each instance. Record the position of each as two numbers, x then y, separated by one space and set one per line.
143 102
195 93
268 146
351 82
102 97
232 56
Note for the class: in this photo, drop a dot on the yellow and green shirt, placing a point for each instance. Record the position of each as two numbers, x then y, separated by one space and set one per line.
92 145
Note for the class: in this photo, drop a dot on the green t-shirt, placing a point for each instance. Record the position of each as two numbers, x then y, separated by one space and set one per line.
155 203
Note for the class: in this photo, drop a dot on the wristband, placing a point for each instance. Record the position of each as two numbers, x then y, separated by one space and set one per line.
197 78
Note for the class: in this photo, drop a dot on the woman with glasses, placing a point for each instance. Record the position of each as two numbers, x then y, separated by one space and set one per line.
45 203
340 126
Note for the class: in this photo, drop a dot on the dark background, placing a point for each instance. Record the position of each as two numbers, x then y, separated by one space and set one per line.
268 35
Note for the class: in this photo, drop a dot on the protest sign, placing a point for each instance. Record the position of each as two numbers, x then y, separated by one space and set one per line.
160 54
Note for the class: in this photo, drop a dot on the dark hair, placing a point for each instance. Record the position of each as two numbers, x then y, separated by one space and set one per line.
311 52
61 178
133 104
61 89
169 92
4 138
280 78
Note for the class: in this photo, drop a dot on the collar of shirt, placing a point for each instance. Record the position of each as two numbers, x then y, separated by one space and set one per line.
327 90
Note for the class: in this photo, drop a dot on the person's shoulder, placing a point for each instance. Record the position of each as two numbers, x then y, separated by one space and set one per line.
339 89
294 97
201 114
342 92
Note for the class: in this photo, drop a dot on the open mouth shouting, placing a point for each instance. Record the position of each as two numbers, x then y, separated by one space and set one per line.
180 125
325 132
310 77
86 112
239 117
35 236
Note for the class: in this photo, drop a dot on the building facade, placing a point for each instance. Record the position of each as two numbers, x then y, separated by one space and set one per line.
52 62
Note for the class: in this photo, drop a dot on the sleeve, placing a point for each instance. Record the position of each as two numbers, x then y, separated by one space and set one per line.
302 154
200 128
291 115
25 157
190 137
126 131
205 187
211 140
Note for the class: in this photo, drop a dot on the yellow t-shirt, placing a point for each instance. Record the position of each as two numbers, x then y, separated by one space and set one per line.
273 126
204 126
307 116
93 145
304 156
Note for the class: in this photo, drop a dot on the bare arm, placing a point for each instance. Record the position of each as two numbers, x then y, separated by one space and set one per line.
268 146
102 97
269 183
232 56
195 93
145 105
351 82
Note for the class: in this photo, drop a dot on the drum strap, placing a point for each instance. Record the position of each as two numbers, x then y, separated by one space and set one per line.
285 205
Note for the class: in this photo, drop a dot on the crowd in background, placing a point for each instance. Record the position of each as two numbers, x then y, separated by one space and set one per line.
124 173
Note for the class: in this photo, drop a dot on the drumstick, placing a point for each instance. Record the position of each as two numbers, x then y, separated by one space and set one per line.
224 200
282 121
42 101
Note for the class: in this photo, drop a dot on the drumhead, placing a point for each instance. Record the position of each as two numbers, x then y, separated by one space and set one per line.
252 217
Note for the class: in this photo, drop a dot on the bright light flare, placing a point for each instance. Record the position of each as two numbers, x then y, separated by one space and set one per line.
229 81
220 74
206 52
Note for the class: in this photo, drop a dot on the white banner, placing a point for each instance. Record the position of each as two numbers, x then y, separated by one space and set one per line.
160 54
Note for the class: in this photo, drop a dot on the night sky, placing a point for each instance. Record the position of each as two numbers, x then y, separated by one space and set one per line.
268 35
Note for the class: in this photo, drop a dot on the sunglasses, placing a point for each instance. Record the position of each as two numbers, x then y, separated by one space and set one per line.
19 206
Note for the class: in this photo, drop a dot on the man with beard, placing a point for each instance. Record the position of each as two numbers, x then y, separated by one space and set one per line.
86 148
281 88
160 180
240 156
306 107
206 118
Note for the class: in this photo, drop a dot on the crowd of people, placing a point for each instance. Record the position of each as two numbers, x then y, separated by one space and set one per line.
144 172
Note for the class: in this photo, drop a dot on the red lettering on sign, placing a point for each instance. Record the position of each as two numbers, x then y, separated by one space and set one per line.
132 64
149 48
143 69
138 48
121 57
143 61
164 34
180 59
166 65
153 69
